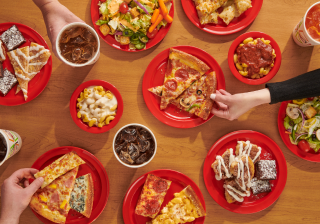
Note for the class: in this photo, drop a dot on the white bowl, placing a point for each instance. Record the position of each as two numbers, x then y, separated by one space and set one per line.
143 164
93 60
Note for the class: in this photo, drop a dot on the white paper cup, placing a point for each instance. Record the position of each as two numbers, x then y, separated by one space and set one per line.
143 164
13 142
300 34
96 56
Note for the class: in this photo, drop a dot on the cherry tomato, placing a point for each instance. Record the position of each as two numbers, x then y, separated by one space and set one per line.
304 146
152 34
310 98
124 7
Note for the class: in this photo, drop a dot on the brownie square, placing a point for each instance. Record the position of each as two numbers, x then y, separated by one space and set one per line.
1 70
7 82
266 170
12 38
260 186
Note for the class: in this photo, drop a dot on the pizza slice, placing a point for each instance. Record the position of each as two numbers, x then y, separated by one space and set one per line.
196 99
182 70
152 195
184 207
82 195
52 202
59 167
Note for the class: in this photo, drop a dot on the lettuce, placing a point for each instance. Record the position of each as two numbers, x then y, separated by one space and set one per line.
101 22
103 8
286 123
298 120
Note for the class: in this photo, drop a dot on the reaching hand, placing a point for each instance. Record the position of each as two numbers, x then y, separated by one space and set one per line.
233 106
14 198
56 16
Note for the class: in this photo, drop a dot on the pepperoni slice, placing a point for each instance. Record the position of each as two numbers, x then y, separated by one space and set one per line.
160 186
171 85
181 74
152 206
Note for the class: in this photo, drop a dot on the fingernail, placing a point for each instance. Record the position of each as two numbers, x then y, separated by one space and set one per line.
213 96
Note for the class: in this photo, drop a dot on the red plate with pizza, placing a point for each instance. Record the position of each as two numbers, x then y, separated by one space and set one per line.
40 81
110 39
73 106
269 151
221 28
309 156
154 76
99 176
179 182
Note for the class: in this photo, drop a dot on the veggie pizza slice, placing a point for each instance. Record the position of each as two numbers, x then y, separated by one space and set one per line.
196 99
182 70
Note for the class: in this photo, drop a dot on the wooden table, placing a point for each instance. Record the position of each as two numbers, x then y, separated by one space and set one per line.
45 122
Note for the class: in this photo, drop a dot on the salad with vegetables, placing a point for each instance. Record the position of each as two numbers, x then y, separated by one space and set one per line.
133 22
302 123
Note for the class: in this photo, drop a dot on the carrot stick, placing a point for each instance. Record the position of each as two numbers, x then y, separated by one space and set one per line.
168 18
155 15
163 7
156 23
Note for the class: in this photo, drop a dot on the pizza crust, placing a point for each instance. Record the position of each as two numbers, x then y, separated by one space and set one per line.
195 200
90 197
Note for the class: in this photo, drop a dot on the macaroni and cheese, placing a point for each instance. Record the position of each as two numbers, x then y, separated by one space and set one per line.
254 58
96 106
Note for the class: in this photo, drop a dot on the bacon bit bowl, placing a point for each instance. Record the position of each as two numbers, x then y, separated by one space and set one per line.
274 69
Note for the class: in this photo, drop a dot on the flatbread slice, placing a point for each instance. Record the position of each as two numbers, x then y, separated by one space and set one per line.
38 57
82 195
52 202
59 167
186 204
182 70
20 61
242 6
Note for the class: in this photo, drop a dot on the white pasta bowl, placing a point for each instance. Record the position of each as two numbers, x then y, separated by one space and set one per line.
143 164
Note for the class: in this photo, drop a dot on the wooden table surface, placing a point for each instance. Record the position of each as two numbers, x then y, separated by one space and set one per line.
45 123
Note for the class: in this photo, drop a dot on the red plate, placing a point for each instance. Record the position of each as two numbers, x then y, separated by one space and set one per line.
154 76
40 81
254 35
221 28
73 106
179 182
310 156
270 151
109 39
99 176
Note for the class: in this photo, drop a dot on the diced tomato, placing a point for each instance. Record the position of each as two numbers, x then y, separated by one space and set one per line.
304 146
310 98
152 34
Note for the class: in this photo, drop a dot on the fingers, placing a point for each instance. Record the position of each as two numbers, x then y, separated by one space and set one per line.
222 106
23 173
223 92
34 186
218 97
26 183
220 113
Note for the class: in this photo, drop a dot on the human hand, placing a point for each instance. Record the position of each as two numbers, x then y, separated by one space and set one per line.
233 106
14 198
56 16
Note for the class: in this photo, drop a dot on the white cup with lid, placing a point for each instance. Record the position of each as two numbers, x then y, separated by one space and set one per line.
96 55
12 142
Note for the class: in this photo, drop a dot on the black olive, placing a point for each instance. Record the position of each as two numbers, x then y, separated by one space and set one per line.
291 123
199 92
314 137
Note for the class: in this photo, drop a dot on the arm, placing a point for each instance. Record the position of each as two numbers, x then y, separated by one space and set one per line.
302 86
55 16
14 198
233 106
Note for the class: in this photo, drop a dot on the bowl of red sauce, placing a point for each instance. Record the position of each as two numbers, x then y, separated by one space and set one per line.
255 57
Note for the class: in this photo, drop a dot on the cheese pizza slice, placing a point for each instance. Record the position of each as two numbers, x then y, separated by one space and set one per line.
184 207
182 70
152 195
82 195
59 167
196 99
52 202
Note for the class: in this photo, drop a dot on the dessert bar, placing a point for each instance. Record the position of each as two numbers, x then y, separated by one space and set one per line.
12 38
266 170
7 82
260 186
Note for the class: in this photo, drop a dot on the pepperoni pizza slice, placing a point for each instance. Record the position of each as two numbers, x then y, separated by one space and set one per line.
152 195
182 70
196 99
52 202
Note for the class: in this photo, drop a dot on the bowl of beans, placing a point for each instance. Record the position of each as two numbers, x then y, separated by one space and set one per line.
254 58
96 106
134 145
